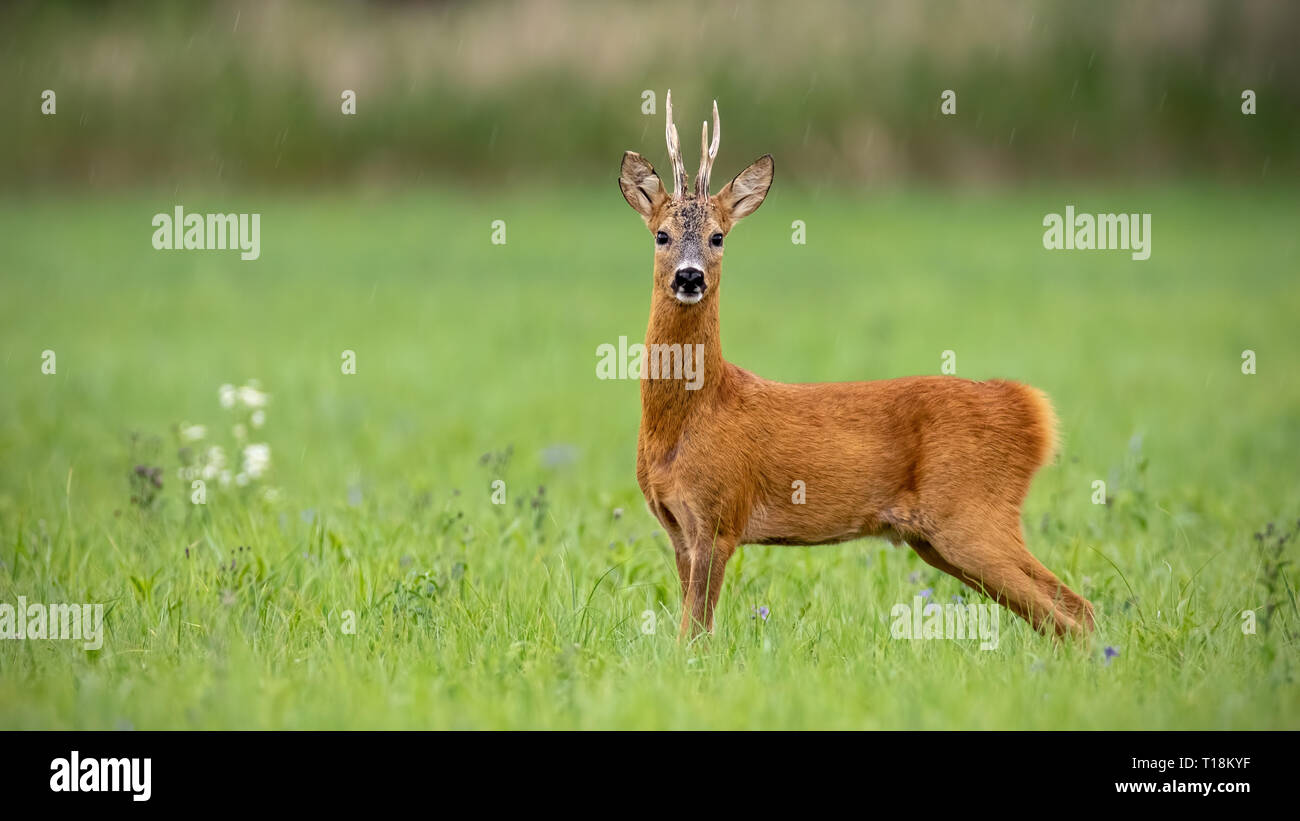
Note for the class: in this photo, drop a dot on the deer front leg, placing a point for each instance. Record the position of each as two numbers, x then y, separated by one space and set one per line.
707 565
682 553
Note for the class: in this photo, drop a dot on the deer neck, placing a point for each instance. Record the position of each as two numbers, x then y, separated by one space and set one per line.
667 402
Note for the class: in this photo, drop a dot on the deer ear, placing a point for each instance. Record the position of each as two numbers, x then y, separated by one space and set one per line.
640 185
742 196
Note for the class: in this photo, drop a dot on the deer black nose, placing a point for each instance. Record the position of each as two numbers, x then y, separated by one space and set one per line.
689 280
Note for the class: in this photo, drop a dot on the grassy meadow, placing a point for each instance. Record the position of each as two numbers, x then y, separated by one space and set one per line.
476 362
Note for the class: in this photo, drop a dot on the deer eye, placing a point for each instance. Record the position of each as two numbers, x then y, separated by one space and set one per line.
716 240
661 238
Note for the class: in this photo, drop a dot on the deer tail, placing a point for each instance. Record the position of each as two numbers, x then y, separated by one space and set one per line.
1043 427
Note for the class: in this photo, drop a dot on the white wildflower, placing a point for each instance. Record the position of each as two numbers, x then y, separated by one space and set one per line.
251 397
259 418
257 460
226 393
240 431
225 478
241 479
192 433
216 456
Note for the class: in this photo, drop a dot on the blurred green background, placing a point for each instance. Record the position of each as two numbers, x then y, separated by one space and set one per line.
842 93
476 361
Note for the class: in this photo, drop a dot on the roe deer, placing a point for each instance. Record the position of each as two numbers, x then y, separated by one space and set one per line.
938 462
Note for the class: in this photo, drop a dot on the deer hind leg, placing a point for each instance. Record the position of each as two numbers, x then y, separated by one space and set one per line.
996 561
931 557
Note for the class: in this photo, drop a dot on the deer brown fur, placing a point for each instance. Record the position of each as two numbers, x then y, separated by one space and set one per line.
938 462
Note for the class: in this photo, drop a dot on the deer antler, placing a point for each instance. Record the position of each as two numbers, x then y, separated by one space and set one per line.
708 153
675 152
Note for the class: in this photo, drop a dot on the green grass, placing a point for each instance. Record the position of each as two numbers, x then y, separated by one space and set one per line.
475 615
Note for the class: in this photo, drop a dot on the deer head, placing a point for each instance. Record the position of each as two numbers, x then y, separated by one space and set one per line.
689 229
